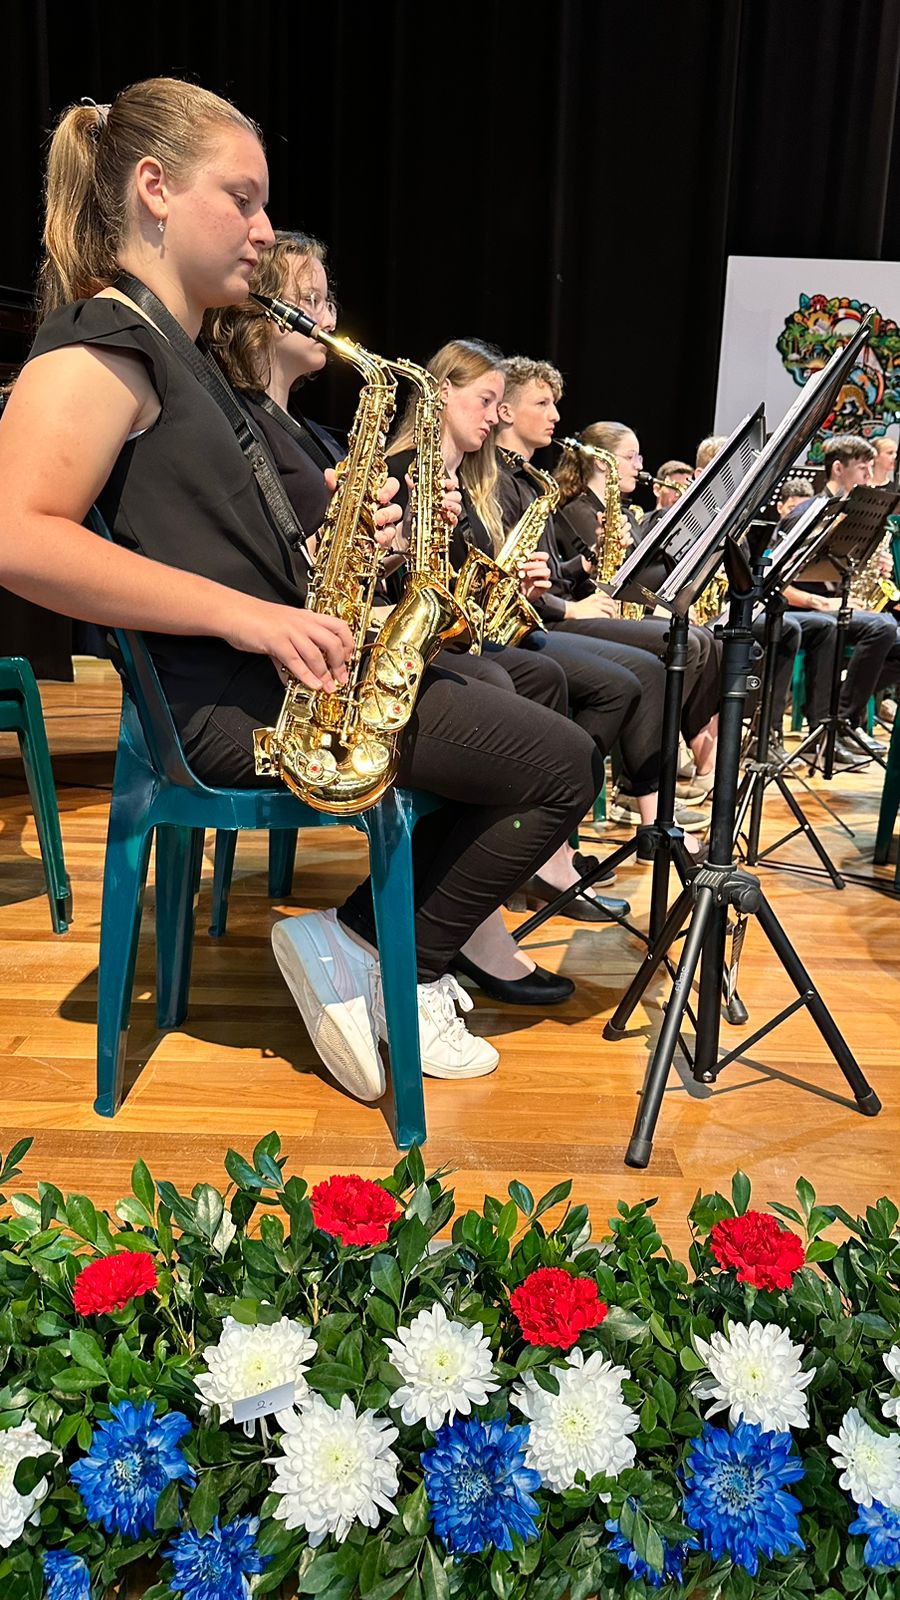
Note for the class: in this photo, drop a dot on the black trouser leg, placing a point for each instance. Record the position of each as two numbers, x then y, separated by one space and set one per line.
640 732
518 779
872 636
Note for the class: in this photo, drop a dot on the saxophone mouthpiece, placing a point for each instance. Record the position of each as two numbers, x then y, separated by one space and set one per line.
289 317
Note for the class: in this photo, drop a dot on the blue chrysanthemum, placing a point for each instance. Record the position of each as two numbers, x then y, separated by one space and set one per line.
216 1565
737 1499
881 1526
67 1576
673 1556
132 1458
479 1486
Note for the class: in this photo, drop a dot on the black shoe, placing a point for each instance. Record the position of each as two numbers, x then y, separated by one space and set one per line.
777 753
874 746
537 988
845 755
585 864
595 908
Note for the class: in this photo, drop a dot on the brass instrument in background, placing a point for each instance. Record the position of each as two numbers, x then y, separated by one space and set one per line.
612 544
664 483
870 591
710 605
340 751
491 584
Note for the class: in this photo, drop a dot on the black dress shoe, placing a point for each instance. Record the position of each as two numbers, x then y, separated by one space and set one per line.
584 864
537 988
595 908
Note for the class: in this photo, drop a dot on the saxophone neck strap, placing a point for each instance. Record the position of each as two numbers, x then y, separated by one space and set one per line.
300 432
214 381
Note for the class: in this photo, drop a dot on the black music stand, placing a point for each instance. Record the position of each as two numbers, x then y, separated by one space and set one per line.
854 537
788 554
662 841
719 888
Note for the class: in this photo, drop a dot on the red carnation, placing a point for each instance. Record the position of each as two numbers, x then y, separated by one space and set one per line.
553 1307
110 1282
761 1251
354 1209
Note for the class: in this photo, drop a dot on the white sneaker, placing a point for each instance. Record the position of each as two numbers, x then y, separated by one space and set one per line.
447 1048
337 987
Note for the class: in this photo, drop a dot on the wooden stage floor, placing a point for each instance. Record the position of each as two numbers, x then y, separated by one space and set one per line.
562 1101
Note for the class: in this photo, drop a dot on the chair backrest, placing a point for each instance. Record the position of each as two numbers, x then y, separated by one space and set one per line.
140 682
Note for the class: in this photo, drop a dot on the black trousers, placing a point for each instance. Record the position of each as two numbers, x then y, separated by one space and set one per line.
649 635
517 778
615 694
873 636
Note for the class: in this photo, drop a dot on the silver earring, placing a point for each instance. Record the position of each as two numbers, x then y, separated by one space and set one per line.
161 225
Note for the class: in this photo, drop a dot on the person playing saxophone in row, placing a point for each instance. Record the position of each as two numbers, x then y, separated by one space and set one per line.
170 185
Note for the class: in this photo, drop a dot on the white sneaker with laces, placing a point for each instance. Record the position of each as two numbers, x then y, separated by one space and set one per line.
337 987
447 1048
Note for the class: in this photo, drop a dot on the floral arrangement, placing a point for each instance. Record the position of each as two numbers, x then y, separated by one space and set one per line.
277 1391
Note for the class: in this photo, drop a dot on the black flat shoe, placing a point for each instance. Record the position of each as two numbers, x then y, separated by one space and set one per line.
584 864
537 988
599 908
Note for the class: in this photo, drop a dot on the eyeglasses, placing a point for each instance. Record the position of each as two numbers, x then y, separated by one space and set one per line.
628 455
316 304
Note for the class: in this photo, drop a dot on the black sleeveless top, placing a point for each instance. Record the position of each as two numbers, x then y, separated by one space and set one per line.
183 493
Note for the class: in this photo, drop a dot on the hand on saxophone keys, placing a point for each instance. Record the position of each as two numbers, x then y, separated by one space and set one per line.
534 575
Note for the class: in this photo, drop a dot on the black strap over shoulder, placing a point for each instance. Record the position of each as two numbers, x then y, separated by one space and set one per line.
216 384
300 432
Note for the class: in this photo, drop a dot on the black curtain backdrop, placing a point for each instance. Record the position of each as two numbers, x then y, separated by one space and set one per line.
566 180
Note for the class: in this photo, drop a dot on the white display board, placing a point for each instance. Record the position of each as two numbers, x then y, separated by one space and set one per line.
784 317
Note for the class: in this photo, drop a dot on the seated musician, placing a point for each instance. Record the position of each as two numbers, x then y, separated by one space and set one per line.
169 184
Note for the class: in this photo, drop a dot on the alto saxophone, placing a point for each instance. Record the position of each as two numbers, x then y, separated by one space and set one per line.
612 544
870 591
491 584
340 751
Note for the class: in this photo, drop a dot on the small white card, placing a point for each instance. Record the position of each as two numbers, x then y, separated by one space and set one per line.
262 1405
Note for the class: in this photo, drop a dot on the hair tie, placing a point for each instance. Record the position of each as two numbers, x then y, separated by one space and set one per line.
102 114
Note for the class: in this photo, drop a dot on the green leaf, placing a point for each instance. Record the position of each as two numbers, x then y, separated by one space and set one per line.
434 1578
690 1360
134 1211
143 1187
624 1324
414 1513
413 1590
553 1197
382 1313
506 1222
210 1207
390 1586
85 1348
168 1510
806 1194
81 1216
740 1192
31 1470
320 1575
412 1238
821 1250
9 1169
521 1197
385 1275
666 1400
204 1503
241 1172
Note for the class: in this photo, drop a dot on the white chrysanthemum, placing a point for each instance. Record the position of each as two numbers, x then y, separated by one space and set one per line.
584 1428
16 1509
249 1360
891 1408
446 1366
870 1462
337 1469
756 1375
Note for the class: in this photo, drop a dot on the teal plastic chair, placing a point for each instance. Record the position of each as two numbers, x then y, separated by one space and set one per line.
890 804
798 694
21 713
155 792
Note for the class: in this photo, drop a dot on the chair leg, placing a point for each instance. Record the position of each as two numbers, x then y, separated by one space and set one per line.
890 801
124 877
179 858
42 789
223 866
282 850
389 826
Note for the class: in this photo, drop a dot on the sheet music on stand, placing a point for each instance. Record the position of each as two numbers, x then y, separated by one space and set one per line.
699 563
857 528
685 521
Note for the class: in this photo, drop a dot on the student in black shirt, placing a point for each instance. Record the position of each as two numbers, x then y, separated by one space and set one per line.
170 184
